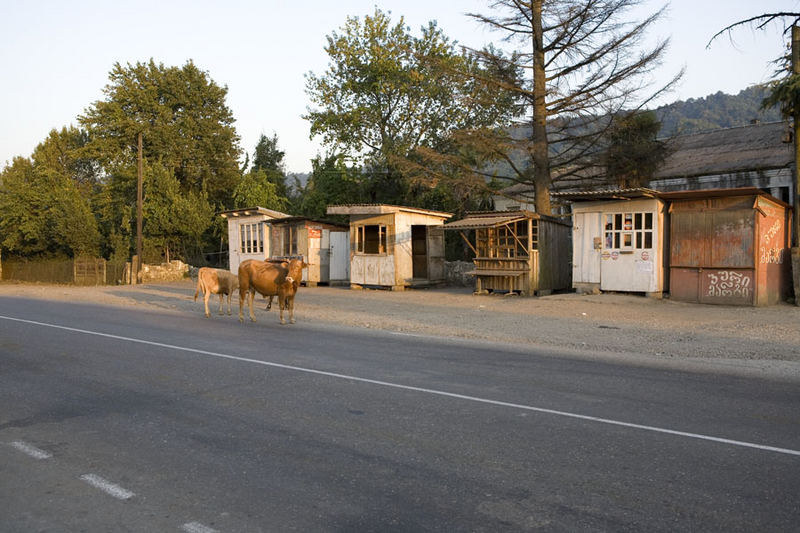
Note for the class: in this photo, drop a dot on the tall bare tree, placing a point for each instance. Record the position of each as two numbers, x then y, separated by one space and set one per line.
582 64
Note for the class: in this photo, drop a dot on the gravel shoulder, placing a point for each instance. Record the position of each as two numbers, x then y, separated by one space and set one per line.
743 340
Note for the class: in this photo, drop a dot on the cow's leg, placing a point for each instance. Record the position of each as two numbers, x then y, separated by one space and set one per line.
269 303
221 311
242 296
290 305
206 296
281 299
250 296
230 293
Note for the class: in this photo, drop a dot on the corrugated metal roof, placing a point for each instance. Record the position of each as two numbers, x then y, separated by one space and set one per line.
293 219
379 209
728 150
488 219
607 194
718 193
248 211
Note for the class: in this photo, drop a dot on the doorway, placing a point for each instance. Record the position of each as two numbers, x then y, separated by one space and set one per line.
419 251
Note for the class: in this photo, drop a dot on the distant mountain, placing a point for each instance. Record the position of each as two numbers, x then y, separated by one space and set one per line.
683 117
715 111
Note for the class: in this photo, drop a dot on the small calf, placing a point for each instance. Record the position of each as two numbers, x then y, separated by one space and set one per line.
216 281
286 293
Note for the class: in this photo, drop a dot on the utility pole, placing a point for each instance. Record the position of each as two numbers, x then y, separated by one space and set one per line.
796 119
139 180
795 252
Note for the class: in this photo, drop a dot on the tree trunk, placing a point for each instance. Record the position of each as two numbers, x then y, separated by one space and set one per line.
539 150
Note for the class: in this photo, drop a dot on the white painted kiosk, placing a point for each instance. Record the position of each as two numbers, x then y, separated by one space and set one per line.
618 239
248 235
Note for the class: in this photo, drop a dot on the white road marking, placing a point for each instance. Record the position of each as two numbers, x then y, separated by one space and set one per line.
197 527
31 450
567 414
108 487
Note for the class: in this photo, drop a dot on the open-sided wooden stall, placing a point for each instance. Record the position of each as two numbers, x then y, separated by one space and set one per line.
517 251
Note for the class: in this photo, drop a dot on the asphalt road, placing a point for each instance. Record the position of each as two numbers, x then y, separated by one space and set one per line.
122 420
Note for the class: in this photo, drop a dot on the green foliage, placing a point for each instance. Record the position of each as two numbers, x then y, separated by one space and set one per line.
114 206
785 95
634 152
184 120
256 189
268 159
65 152
387 93
331 182
267 156
42 213
173 219
718 110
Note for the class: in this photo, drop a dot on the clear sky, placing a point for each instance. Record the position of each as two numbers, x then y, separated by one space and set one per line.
55 56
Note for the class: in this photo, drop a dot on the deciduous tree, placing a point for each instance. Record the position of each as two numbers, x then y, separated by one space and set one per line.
387 92
184 119
42 213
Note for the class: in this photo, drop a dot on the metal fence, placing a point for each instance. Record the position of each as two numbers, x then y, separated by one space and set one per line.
78 271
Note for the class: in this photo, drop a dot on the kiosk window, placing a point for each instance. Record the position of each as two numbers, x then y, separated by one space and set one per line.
371 239
628 231
251 238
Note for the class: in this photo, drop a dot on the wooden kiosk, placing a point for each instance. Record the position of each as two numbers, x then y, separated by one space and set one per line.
394 247
323 246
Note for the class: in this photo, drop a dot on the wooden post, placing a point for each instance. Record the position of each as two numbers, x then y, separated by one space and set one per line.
796 119
139 179
795 255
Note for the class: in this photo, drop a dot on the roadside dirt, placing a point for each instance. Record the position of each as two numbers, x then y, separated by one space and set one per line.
753 341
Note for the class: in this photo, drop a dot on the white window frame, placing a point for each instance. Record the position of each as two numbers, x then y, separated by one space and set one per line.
251 238
629 230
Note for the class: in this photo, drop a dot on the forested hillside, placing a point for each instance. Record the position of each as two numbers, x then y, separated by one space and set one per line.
718 110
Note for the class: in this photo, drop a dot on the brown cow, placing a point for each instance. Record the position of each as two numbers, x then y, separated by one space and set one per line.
269 279
215 281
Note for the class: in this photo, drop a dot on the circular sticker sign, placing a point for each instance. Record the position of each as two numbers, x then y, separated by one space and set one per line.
606 254
614 255
645 256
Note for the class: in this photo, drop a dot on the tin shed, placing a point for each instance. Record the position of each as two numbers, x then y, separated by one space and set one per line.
729 246
393 246
517 251
617 240
247 235
323 246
